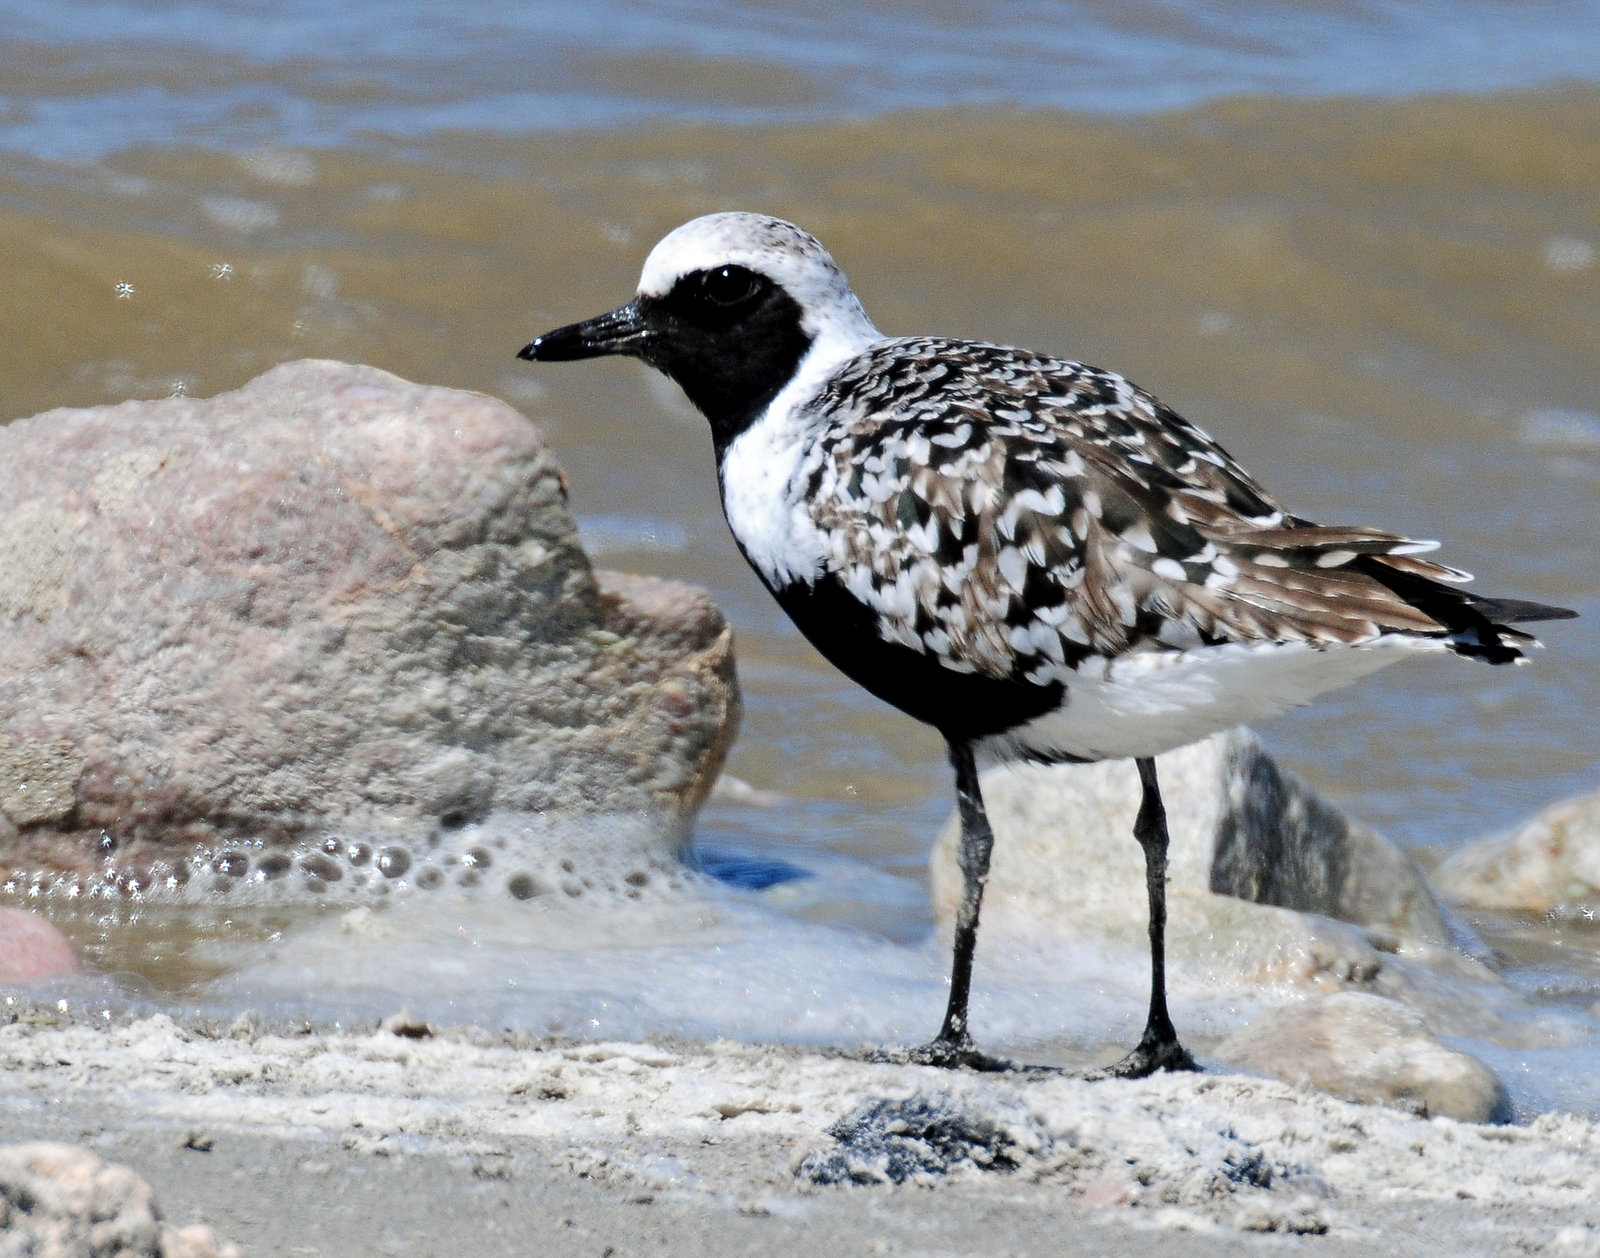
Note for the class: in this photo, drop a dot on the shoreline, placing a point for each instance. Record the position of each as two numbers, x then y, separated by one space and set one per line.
417 1141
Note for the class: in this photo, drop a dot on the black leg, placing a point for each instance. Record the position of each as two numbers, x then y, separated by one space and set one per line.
1158 1048
953 1046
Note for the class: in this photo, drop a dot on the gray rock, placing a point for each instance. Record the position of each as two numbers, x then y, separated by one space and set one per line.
963 1132
60 1201
1241 827
308 631
1549 864
1273 894
1370 1050
918 1139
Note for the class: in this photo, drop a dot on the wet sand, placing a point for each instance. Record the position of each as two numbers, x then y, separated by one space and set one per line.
291 1141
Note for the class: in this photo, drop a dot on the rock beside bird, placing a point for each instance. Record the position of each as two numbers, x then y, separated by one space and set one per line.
1242 826
308 633
1316 921
1372 1051
1548 865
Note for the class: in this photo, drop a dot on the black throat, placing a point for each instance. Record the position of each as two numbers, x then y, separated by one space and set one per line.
730 369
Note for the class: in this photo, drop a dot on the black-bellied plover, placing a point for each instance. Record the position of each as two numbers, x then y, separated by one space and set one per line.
1034 557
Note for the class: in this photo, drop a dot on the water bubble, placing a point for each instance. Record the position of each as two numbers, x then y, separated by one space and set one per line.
525 886
429 878
358 854
319 865
233 863
274 865
393 861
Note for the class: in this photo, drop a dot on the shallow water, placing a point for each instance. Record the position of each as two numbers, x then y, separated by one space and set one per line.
90 78
1386 304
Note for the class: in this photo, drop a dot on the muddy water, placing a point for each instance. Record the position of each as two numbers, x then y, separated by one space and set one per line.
1388 309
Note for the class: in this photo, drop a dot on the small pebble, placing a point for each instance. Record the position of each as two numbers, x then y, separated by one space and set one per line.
406 1025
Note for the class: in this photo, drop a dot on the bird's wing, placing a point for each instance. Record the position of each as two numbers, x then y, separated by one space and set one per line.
1014 514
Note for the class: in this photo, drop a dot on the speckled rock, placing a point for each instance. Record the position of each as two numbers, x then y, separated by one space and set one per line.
60 1201
306 631
1370 1050
1242 828
1549 864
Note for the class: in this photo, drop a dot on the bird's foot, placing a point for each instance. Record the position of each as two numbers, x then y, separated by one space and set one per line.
1153 1053
952 1054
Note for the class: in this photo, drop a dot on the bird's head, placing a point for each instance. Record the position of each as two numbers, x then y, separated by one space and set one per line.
730 306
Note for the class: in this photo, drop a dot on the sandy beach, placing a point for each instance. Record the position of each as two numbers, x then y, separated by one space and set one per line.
467 1142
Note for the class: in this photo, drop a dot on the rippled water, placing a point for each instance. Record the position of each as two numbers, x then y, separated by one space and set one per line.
91 78
1384 302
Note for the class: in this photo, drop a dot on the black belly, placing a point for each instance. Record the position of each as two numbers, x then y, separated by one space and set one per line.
961 706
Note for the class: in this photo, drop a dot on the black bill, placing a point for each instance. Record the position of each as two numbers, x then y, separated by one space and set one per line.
620 331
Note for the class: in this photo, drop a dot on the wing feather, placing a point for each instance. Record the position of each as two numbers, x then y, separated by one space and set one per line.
1014 514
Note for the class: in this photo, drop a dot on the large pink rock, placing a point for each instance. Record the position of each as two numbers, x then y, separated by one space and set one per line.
31 949
313 631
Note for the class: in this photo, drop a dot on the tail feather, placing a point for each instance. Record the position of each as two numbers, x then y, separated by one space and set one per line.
1479 627
1516 611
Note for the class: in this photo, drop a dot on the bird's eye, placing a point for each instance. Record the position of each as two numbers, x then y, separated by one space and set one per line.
729 285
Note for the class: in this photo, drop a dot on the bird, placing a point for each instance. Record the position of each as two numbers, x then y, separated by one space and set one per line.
1034 557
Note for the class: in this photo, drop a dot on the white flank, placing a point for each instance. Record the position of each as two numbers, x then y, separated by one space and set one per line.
1151 702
